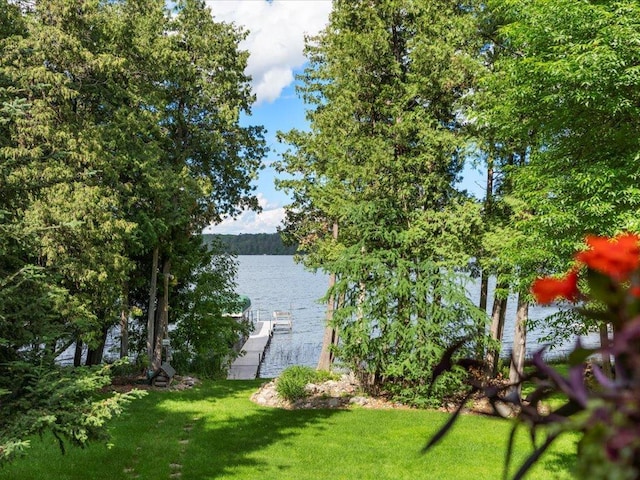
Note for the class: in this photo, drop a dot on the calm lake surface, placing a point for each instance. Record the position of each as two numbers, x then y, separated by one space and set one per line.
275 282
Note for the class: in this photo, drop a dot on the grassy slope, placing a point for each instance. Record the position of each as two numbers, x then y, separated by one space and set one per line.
214 431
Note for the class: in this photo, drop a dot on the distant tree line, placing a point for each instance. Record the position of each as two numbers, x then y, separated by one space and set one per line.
253 244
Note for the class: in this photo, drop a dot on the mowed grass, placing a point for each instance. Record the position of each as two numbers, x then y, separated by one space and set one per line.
215 432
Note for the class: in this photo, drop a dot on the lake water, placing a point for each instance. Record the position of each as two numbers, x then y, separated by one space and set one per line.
277 283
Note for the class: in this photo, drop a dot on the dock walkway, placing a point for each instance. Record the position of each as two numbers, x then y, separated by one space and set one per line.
247 366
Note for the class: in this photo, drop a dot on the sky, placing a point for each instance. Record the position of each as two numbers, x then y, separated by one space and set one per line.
275 44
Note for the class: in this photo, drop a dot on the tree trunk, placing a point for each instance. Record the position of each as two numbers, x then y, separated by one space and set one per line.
329 339
326 355
94 355
152 306
124 323
606 359
484 276
484 288
488 208
519 344
482 327
624 365
162 318
498 312
166 273
77 355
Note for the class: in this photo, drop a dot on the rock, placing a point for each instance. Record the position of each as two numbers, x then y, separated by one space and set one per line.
331 394
358 400
312 388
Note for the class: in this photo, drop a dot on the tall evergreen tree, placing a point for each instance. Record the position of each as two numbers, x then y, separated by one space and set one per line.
60 244
381 161
208 159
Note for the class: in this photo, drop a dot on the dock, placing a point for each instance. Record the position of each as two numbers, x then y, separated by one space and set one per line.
282 319
247 365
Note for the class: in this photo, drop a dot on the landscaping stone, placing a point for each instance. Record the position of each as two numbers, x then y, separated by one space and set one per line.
341 393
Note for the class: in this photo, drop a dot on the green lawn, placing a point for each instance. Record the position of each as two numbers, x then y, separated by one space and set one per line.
215 432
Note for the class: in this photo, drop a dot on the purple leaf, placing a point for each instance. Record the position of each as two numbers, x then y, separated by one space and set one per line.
601 378
576 384
447 426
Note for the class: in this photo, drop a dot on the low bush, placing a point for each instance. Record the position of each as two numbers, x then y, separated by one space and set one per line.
293 380
124 367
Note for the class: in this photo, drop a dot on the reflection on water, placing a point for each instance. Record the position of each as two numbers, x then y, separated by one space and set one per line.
277 283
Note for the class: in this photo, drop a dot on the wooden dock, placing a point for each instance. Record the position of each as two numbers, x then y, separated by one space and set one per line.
282 319
247 365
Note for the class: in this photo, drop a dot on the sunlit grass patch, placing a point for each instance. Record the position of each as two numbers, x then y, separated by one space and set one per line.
215 432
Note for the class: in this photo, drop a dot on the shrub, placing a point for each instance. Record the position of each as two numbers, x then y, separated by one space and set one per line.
323 376
206 364
124 367
293 380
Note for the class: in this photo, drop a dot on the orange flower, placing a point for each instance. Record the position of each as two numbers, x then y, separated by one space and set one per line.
546 290
616 257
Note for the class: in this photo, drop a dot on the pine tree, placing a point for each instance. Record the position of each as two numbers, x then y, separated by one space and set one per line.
381 161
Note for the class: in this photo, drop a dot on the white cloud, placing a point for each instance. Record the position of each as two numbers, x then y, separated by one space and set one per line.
271 85
276 37
266 221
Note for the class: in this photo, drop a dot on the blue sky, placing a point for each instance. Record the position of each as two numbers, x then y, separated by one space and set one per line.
275 44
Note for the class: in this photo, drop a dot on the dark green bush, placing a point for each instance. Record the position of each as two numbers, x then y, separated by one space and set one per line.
206 364
124 367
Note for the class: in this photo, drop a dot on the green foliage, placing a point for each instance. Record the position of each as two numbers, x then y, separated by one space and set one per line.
205 335
116 140
553 117
62 401
563 88
292 381
125 367
381 161
400 352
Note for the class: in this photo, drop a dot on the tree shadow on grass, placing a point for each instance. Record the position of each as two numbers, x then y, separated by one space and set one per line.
559 462
202 433
228 440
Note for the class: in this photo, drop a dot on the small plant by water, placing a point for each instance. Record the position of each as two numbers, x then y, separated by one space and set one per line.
293 380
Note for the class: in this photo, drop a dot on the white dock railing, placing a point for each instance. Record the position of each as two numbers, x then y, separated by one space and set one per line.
282 319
